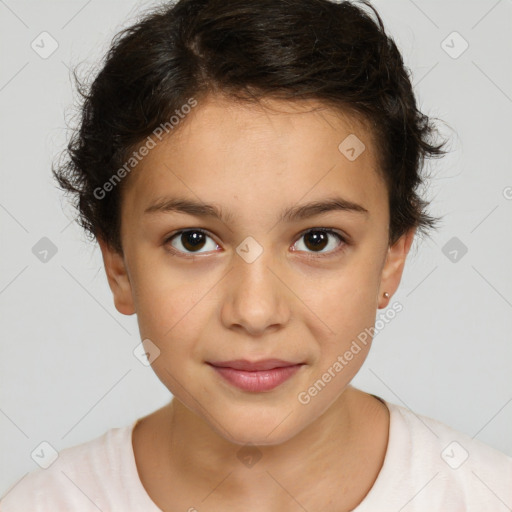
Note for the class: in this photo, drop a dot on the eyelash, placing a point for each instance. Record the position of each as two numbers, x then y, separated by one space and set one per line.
331 231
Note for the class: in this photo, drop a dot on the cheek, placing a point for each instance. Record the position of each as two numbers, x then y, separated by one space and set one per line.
171 317
168 304
346 303
158 286
345 300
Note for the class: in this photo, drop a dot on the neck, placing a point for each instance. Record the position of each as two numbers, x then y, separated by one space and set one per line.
336 445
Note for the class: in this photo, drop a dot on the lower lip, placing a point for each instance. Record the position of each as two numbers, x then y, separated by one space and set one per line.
263 380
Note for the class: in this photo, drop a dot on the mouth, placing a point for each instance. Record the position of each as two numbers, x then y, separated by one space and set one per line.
257 376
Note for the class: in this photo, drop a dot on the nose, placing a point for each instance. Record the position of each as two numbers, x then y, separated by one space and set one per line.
256 297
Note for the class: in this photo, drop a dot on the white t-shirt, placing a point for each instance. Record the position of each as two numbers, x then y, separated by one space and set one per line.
428 467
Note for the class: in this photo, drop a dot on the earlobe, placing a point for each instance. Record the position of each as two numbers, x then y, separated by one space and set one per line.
393 267
118 278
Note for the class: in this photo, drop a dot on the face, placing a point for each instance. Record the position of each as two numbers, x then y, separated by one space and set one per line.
249 235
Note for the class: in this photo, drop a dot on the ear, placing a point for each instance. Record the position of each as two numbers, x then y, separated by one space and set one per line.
118 278
394 266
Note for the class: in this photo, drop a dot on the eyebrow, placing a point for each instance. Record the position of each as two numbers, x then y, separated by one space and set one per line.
292 214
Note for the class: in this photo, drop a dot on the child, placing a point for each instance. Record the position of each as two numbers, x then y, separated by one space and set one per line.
250 171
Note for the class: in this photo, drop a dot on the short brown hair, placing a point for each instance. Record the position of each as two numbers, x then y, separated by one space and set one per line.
334 52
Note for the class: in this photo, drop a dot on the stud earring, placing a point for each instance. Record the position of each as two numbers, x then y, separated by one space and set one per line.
386 295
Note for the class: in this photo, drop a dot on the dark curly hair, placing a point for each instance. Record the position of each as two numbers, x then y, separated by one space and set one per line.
246 50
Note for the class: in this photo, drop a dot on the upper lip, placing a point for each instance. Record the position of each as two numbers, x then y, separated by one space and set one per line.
253 366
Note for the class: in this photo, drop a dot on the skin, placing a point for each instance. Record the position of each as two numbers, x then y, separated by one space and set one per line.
291 303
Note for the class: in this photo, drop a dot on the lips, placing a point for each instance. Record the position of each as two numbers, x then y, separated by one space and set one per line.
256 376
242 364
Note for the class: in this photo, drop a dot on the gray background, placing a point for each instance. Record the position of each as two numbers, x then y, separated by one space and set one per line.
67 368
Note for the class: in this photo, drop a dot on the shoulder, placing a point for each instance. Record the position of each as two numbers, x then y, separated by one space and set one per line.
431 466
83 477
440 445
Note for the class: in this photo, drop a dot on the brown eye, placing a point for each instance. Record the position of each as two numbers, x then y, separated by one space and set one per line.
316 240
191 241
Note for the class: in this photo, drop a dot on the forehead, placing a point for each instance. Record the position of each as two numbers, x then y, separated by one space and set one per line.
260 155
